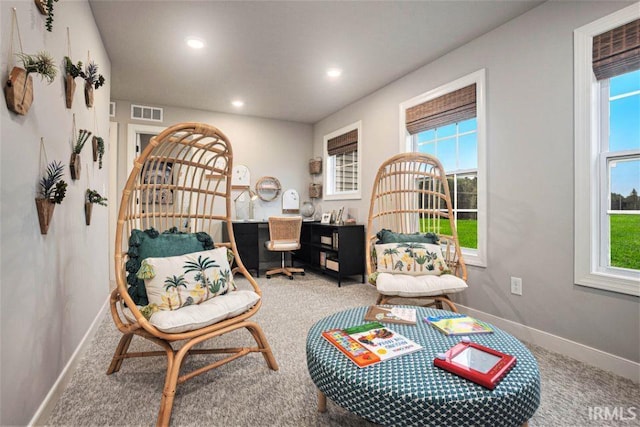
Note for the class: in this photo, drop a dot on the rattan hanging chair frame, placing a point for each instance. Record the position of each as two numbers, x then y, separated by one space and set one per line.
198 159
411 194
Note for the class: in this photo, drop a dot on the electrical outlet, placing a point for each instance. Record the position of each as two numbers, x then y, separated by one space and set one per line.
516 286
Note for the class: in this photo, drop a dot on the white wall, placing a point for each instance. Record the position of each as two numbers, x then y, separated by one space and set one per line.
52 285
529 64
267 147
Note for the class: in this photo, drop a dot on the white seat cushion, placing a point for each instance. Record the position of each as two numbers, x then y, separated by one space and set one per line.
404 285
207 313
282 246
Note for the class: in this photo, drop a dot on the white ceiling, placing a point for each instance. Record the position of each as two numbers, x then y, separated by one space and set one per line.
274 55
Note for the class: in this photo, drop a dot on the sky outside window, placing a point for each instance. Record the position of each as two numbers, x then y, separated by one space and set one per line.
624 130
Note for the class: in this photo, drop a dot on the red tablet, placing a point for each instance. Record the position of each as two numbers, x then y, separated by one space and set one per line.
477 363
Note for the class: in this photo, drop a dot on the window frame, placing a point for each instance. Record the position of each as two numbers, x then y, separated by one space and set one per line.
590 164
329 176
476 257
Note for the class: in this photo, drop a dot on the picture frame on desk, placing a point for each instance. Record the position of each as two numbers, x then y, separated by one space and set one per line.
338 220
326 218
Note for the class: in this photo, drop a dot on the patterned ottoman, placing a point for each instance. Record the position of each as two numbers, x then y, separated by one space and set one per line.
410 391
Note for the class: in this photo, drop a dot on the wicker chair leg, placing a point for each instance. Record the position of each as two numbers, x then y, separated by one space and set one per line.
446 300
261 340
121 350
169 390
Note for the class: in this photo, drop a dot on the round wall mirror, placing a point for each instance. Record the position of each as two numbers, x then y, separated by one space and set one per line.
268 188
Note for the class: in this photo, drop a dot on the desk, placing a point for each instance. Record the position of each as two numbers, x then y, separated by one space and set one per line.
409 390
250 237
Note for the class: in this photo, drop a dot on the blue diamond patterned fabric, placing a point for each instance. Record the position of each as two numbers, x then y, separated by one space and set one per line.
410 391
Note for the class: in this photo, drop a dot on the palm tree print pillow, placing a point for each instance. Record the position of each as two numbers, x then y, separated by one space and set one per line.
411 258
179 281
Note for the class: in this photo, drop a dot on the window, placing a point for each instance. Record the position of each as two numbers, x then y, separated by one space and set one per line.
448 123
343 159
607 147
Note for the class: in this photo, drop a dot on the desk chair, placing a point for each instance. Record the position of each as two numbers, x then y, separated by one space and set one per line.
284 236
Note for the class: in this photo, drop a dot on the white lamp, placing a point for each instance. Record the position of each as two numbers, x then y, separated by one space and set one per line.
240 198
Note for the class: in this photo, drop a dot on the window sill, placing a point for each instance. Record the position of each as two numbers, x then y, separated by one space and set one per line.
610 282
473 259
349 196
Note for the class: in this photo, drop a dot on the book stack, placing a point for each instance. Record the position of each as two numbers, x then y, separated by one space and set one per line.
370 343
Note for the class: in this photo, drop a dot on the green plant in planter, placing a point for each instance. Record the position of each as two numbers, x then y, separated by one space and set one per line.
91 76
49 13
100 144
72 69
52 186
83 136
94 197
41 63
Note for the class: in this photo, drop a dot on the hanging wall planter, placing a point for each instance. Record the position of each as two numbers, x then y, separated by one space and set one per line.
92 80
92 197
88 207
75 162
18 91
52 192
74 166
45 213
88 95
69 90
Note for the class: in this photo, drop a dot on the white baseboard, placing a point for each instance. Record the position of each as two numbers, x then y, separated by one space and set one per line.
589 355
44 410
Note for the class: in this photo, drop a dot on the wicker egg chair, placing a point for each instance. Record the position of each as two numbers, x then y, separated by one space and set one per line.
410 194
198 159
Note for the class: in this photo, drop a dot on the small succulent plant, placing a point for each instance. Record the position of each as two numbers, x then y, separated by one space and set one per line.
49 10
74 70
100 143
41 63
91 76
94 197
83 136
52 186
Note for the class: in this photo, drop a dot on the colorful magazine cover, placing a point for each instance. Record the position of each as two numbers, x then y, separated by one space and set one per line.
370 343
391 314
458 324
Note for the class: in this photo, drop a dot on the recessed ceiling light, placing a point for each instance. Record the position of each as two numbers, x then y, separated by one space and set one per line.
334 72
195 43
237 103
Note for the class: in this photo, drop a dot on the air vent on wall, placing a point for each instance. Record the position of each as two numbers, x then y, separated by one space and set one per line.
112 109
144 112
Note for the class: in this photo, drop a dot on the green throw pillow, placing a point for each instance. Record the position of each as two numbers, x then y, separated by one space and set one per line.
388 236
150 243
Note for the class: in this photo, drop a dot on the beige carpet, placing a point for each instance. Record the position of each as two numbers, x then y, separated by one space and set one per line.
246 393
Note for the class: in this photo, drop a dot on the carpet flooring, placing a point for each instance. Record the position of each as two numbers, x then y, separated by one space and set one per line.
246 393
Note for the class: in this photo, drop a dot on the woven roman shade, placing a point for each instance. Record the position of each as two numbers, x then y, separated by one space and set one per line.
343 144
617 51
453 107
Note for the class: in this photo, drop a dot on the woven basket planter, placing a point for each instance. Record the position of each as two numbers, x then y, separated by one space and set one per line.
74 166
69 89
315 166
88 94
88 208
18 91
45 213
315 191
